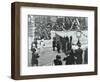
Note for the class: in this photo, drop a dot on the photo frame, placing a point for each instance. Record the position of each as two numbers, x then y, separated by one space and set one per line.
49 40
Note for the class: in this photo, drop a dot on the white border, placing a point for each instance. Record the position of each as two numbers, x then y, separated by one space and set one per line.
25 70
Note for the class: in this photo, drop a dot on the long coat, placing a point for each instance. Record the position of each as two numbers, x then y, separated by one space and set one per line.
69 60
79 53
57 62
35 57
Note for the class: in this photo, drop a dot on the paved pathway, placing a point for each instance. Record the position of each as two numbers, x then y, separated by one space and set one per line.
47 55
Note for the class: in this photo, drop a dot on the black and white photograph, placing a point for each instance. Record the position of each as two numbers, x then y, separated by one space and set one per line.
57 40
53 40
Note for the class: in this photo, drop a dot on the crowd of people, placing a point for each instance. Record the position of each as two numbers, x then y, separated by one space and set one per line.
72 56
63 45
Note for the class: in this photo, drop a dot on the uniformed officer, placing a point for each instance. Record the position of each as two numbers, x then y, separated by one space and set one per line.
79 53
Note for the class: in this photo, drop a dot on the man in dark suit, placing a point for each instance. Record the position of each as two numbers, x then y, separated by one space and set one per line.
86 56
58 61
70 39
54 44
35 56
79 53
34 60
70 58
58 46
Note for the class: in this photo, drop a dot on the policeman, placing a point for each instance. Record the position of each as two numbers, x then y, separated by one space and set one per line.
79 53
